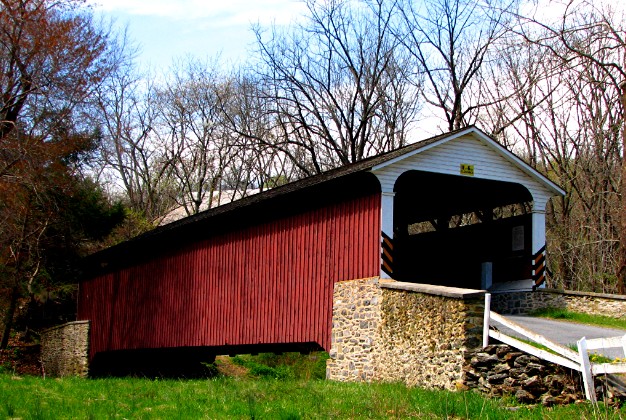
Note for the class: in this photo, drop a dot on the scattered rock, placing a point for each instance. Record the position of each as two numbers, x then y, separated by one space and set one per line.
556 383
565 399
497 378
511 382
534 384
525 359
524 396
484 359
548 400
492 349
501 368
511 356
471 375
534 369
502 351
528 378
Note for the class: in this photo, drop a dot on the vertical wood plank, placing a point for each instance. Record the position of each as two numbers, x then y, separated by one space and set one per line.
486 320
590 390
267 283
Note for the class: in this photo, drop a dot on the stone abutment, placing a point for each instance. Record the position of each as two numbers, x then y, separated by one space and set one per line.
390 331
65 349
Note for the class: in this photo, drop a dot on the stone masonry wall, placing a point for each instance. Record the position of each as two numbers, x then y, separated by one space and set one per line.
590 303
431 336
392 331
65 349
516 303
499 370
355 330
424 338
596 304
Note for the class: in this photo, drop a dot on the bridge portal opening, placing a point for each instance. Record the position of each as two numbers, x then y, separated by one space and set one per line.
461 231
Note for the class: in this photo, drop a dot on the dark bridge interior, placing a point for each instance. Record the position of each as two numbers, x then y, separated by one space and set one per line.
446 226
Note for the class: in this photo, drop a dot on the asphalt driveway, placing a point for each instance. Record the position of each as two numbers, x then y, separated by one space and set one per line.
563 332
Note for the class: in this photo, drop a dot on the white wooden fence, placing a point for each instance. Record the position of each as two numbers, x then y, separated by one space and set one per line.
559 354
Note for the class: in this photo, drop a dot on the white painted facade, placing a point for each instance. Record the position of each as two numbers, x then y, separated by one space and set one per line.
490 161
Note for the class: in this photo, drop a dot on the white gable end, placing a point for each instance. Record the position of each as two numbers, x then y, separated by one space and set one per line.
447 158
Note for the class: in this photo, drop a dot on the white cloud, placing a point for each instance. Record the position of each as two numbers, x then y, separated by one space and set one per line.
228 12
168 29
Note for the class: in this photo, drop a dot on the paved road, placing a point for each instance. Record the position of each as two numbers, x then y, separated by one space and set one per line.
564 332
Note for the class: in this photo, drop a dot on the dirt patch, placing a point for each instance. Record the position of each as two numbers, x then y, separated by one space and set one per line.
21 358
226 367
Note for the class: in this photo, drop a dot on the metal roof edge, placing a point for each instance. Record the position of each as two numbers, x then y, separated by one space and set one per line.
370 164
485 139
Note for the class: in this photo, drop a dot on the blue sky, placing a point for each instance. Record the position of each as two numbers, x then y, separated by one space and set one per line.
167 30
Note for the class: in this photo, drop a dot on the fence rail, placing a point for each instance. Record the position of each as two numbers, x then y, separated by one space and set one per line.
558 353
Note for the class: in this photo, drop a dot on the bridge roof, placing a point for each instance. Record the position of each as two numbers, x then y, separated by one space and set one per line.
371 164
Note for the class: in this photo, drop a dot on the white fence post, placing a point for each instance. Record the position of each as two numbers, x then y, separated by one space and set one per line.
486 319
590 390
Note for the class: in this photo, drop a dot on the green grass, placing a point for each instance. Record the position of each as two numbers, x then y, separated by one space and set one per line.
73 398
284 366
598 320
267 386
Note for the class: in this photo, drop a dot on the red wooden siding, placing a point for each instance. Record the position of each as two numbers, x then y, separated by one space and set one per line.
269 283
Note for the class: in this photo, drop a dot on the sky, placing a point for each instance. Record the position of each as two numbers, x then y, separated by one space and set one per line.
166 30
170 29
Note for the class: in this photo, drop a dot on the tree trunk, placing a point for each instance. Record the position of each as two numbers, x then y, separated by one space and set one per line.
8 318
622 242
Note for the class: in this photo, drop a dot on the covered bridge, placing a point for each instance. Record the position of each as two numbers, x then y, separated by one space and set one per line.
258 274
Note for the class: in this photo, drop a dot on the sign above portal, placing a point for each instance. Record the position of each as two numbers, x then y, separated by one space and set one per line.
467 169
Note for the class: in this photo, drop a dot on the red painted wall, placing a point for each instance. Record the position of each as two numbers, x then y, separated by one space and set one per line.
266 283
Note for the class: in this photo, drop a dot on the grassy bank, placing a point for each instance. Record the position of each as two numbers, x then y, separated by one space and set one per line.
267 386
601 321
247 398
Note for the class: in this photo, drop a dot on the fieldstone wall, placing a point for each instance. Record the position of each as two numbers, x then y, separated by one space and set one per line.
392 331
519 303
65 349
502 370
431 336
355 330
426 334
595 303
590 303
499 370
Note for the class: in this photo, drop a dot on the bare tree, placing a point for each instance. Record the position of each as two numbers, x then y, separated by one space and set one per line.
263 154
48 50
130 156
451 42
589 42
52 57
334 86
197 144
